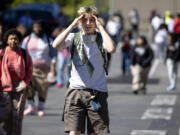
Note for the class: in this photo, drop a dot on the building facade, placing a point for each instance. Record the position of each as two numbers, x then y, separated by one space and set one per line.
144 8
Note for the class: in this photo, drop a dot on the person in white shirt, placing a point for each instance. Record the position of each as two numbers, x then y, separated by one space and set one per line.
160 41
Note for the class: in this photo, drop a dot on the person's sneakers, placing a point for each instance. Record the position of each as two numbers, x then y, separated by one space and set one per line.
58 85
41 113
31 110
171 88
135 92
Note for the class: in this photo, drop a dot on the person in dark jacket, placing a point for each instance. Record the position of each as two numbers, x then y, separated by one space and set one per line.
141 58
172 58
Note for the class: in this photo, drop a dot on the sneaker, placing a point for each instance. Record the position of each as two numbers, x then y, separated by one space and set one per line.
58 85
171 88
31 110
135 92
41 113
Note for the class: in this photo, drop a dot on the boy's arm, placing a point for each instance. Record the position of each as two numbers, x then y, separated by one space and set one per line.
108 42
59 42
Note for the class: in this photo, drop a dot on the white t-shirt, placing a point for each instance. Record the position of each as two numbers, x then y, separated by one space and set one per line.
156 22
160 37
113 27
80 78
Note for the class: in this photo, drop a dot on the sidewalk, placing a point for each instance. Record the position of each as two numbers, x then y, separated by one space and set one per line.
125 108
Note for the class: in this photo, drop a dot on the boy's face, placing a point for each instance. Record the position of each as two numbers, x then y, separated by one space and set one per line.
88 24
13 41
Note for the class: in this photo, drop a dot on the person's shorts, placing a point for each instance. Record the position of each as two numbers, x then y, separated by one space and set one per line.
78 112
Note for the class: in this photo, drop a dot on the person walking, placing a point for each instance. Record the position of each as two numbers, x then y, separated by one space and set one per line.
134 20
43 55
125 52
16 73
172 60
86 97
160 41
63 61
141 58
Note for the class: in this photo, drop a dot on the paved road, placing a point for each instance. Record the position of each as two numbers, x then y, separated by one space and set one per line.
156 113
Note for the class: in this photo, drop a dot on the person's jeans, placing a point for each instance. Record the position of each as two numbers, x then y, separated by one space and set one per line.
172 68
125 62
160 52
139 77
61 64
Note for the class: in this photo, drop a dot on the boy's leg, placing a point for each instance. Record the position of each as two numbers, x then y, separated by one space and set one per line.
74 112
98 121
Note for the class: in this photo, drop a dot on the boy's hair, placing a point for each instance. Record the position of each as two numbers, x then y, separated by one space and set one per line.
89 9
12 31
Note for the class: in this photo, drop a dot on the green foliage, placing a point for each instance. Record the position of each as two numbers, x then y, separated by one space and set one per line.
72 6
16 2
69 7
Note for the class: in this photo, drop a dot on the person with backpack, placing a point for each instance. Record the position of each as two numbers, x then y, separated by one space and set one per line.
43 55
86 97
172 60
16 73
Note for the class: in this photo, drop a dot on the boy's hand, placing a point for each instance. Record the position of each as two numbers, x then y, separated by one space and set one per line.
76 21
98 24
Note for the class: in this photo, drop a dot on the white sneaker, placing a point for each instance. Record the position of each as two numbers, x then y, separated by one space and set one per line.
31 110
41 113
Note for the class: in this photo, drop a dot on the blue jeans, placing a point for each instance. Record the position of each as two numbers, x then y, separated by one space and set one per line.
61 64
125 62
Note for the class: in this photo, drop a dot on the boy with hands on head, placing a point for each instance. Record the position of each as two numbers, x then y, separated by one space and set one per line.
86 98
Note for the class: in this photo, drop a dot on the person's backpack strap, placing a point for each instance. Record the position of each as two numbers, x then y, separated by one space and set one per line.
24 54
48 40
27 42
76 41
99 42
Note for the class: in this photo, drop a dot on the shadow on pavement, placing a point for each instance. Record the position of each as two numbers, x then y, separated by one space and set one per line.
128 80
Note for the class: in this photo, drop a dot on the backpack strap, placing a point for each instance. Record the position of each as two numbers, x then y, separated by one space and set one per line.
99 42
49 45
24 54
76 42
27 42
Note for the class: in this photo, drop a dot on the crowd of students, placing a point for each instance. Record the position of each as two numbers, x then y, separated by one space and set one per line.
26 59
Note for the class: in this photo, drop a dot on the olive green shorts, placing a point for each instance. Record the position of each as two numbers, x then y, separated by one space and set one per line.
78 112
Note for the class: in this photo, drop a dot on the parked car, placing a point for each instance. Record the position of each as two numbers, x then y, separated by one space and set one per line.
48 12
